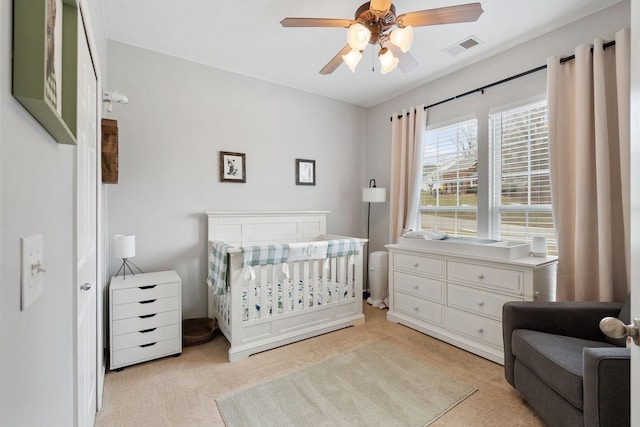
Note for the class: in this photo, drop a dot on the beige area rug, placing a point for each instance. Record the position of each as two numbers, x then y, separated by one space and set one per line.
374 385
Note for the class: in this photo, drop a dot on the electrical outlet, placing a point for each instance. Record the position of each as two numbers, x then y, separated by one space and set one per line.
32 270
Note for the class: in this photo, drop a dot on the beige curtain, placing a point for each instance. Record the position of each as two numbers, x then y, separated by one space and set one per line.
407 133
589 146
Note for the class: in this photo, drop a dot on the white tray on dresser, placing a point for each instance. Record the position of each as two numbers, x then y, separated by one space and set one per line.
458 297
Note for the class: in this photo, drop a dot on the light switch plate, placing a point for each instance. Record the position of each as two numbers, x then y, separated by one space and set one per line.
32 271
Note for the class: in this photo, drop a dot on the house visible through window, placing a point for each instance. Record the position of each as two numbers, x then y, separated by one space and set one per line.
449 198
518 185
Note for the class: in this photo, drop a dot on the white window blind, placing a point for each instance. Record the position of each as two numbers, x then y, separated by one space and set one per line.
449 196
522 191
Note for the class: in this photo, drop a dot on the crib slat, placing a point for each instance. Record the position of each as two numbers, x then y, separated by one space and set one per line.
275 292
264 290
305 280
286 286
296 286
334 280
342 276
251 298
317 272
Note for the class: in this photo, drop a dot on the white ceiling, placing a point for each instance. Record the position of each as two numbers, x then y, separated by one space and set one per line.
245 37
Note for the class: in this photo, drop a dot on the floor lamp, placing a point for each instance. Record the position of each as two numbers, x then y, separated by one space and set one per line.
371 194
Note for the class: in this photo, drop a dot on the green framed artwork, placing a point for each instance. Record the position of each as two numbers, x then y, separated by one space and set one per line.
45 62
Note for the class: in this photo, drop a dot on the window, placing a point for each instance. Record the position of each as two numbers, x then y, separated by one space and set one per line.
449 196
522 189
516 193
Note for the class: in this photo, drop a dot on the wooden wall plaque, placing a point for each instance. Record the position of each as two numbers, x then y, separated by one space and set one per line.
109 151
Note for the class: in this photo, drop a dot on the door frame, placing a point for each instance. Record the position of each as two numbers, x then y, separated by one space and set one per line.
85 20
635 204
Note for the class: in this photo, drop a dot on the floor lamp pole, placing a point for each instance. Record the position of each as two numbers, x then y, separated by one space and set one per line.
366 291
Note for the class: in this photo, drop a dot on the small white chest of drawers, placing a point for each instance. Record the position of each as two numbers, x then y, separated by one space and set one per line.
145 317
458 298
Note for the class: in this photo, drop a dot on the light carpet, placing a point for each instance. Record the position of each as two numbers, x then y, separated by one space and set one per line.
374 385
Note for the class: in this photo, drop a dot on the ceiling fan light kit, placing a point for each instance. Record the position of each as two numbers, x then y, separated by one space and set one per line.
376 23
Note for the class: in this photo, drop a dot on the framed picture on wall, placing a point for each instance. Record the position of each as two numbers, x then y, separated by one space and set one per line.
233 167
45 40
305 172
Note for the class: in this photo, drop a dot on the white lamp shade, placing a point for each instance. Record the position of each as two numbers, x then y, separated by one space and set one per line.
374 195
352 58
358 36
124 246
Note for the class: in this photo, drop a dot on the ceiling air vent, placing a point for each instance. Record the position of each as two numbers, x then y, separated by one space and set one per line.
463 45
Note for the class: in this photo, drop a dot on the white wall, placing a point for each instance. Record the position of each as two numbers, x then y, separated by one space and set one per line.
526 56
180 115
36 197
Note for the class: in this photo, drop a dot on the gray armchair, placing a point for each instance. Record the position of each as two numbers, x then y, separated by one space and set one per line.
566 369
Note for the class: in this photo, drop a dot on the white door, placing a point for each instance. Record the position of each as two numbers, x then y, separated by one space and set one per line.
635 204
86 238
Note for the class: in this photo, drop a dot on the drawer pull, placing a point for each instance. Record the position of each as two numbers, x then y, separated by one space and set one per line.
146 331
481 303
480 330
146 316
481 276
416 287
146 287
148 345
149 301
416 309
416 265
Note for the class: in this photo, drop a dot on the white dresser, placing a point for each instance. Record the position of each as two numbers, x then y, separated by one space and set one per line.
145 317
458 298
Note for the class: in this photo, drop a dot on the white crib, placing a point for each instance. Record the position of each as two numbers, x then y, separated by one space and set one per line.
275 308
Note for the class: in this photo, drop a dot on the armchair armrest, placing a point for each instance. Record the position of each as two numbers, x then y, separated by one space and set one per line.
606 386
573 319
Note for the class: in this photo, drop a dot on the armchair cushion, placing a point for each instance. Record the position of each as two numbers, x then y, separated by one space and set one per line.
555 359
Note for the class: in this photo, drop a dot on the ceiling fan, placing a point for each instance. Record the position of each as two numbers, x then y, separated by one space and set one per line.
376 22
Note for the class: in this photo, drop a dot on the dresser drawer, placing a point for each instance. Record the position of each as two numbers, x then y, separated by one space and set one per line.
498 278
145 336
479 328
477 301
419 264
138 354
134 324
145 293
418 307
142 308
420 286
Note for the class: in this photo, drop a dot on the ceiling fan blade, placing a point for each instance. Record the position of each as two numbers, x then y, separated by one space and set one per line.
317 22
379 7
406 61
335 61
444 15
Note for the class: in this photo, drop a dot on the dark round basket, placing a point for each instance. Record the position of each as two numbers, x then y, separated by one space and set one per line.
198 331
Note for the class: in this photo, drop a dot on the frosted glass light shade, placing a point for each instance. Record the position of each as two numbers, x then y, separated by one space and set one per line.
387 61
352 58
402 37
374 195
358 36
124 246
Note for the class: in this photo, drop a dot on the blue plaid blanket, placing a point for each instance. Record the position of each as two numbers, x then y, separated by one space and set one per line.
264 254
343 247
217 277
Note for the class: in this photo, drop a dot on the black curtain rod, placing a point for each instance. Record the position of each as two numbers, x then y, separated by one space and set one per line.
508 79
